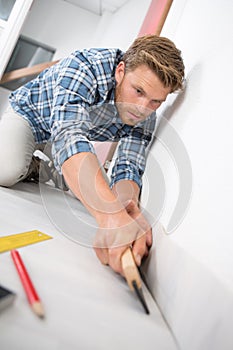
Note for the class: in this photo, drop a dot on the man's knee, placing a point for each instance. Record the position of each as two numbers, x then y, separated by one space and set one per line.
12 174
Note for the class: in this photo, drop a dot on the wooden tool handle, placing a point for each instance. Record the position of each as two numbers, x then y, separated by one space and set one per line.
130 269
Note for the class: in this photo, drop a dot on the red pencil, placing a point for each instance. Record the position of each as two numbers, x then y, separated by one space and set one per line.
31 293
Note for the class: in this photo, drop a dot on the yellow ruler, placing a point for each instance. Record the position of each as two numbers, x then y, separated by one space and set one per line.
21 240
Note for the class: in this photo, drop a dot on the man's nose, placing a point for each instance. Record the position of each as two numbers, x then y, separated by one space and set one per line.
144 106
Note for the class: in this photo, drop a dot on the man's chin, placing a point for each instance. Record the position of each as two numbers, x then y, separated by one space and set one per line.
130 122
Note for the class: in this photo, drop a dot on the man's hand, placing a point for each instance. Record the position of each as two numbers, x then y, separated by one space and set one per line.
136 214
118 232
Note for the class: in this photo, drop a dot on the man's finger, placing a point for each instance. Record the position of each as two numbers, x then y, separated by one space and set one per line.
102 254
114 256
139 249
149 238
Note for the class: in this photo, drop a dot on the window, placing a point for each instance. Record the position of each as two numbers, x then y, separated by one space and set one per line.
27 53
5 8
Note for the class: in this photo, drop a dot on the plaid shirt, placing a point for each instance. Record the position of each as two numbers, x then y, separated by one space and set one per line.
72 103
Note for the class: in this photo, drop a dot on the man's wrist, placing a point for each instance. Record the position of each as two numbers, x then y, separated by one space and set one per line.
127 191
107 210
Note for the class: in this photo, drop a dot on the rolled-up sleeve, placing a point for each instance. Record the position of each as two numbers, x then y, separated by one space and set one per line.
130 162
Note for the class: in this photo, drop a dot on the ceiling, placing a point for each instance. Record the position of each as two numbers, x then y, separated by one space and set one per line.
99 6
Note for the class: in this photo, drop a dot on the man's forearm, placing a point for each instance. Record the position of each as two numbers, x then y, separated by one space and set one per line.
85 179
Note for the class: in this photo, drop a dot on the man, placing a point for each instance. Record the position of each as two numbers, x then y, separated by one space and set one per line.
100 95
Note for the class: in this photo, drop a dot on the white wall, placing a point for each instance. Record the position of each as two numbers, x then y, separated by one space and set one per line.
122 27
61 25
202 115
192 277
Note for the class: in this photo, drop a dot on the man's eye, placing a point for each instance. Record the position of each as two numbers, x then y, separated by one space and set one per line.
139 91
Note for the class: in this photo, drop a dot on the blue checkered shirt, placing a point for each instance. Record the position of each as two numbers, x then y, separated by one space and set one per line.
72 103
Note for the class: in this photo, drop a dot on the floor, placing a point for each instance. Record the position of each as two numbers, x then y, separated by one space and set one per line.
87 305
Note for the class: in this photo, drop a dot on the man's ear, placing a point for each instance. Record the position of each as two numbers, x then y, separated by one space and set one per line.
120 72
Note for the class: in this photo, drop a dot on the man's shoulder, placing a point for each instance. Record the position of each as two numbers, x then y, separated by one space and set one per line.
99 55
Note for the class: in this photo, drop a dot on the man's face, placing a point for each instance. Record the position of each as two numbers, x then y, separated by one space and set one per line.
138 93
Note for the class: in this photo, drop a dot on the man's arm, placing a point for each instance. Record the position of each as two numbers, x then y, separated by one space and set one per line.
117 227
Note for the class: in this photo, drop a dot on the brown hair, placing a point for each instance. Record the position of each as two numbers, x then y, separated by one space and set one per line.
162 57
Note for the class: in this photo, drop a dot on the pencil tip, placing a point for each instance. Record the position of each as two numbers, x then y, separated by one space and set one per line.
38 309
140 295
